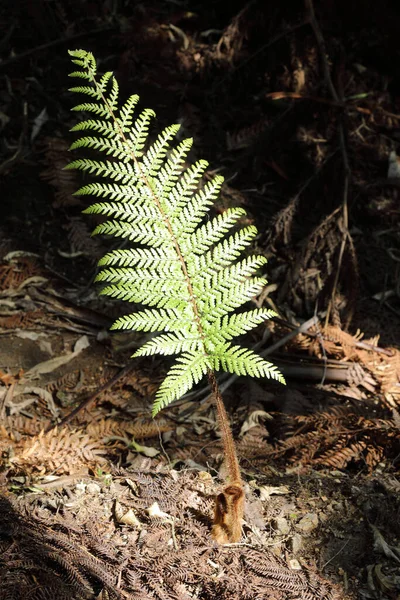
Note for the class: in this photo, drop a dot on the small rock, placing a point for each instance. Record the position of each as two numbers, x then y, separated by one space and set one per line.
294 564
268 490
93 488
297 543
323 517
80 488
282 525
308 523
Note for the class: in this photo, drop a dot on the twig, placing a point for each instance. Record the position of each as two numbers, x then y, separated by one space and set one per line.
357 344
335 555
309 6
322 47
86 403
321 343
321 372
345 235
172 522
343 105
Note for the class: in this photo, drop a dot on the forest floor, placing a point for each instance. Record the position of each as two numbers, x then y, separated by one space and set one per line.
301 114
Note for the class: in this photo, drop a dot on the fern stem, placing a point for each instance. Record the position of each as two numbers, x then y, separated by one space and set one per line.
229 504
230 453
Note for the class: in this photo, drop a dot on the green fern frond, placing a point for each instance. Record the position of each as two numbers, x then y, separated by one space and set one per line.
190 273
189 368
171 343
114 170
240 361
156 320
238 324
139 257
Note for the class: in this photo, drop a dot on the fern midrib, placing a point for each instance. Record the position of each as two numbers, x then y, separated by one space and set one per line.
228 443
162 213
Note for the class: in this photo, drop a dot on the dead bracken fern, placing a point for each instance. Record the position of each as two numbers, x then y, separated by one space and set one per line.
280 233
67 382
39 554
246 135
22 320
334 342
41 551
386 371
336 437
15 272
69 451
60 452
15 426
143 384
138 429
382 366
311 277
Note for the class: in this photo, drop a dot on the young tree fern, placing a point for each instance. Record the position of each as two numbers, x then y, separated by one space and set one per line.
185 267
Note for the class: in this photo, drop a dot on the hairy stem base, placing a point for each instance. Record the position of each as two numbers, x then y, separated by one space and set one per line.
229 506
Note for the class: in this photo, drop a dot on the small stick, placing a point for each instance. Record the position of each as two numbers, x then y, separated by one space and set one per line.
86 403
309 6
357 344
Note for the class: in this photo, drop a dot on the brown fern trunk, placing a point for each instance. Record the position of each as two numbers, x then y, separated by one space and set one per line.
229 506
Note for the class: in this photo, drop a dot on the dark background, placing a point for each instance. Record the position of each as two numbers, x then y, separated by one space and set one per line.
213 67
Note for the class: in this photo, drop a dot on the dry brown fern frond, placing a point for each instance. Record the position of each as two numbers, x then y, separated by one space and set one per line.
39 562
253 447
246 135
121 395
386 370
69 381
65 182
336 342
253 442
190 454
334 438
341 455
311 278
62 547
22 320
300 449
282 224
18 425
61 452
300 584
69 451
138 429
371 366
16 271
145 385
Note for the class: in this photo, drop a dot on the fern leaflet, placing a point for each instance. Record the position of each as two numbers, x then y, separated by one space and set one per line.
190 273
